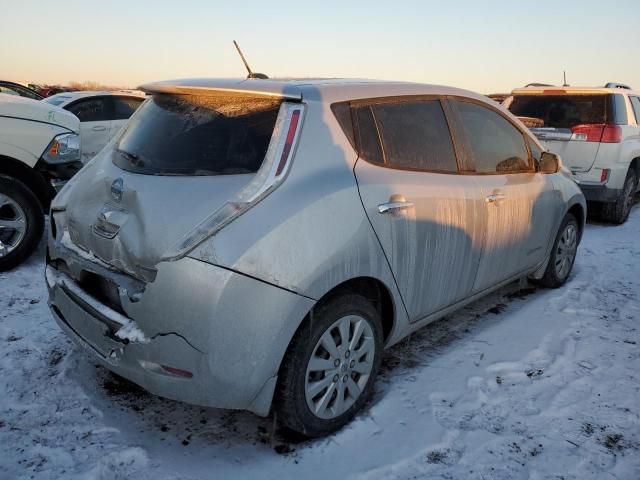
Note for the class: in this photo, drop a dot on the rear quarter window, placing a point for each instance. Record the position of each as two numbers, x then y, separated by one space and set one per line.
198 135
617 110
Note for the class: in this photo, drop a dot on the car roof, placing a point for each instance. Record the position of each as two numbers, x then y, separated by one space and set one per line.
16 84
322 89
553 90
72 96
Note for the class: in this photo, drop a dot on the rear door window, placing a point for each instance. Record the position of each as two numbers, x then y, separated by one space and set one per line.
198 135
96 109
496 144
415 135
410 135
560 111
123 107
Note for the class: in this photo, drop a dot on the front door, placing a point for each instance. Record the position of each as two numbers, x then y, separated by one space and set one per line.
520 203
427 216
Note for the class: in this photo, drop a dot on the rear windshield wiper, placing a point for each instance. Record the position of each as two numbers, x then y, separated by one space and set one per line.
133 158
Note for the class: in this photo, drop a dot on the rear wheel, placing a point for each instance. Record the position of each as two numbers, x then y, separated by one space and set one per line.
21 222
330 366
617 212
563 254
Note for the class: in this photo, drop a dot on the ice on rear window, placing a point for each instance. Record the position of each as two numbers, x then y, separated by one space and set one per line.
559 111
198 135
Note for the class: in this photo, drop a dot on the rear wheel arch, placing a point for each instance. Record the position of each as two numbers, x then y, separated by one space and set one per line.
373 290
29 177
370 288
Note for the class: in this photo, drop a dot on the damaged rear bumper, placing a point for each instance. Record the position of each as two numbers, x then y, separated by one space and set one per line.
223 333
98 330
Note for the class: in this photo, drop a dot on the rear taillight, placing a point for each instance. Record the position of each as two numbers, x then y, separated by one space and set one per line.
604 176
587 133
611 134
597 132
291 134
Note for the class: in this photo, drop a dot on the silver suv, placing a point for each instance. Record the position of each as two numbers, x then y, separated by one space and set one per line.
597 133
249 244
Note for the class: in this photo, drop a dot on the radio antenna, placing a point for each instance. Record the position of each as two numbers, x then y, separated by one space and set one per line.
246 65
564 73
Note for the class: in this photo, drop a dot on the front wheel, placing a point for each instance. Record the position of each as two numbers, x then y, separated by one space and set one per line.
329 369
563 254
21 222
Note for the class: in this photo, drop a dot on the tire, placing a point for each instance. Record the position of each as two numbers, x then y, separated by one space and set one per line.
563 254
617 212
21 222
299 401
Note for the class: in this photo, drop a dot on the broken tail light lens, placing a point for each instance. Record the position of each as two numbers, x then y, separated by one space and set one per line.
273 171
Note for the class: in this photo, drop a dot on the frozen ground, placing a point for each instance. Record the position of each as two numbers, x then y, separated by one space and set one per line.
525 384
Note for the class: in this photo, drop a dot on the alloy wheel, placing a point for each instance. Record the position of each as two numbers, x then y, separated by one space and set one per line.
566 251
340 366
13 224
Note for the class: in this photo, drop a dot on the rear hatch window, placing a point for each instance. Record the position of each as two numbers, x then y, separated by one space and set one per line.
559 111
198 135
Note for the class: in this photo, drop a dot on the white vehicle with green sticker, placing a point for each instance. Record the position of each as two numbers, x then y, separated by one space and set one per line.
39 152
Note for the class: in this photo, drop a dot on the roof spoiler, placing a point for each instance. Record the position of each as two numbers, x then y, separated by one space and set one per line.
617 85
223 87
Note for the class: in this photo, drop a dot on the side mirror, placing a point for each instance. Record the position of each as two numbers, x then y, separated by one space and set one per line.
549 163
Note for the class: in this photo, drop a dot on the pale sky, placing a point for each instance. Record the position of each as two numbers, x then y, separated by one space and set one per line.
487 46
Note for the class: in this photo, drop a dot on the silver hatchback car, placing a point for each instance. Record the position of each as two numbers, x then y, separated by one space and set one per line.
256 244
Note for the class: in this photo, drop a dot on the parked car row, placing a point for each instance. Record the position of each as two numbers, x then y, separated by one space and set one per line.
256 244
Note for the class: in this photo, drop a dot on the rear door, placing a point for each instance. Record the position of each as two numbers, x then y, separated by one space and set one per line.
123 108
95 115
567 124
425 212
521 205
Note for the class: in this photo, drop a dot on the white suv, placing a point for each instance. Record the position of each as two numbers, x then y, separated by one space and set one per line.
39 152
596 131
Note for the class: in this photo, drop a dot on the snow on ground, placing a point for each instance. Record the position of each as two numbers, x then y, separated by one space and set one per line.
524 384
